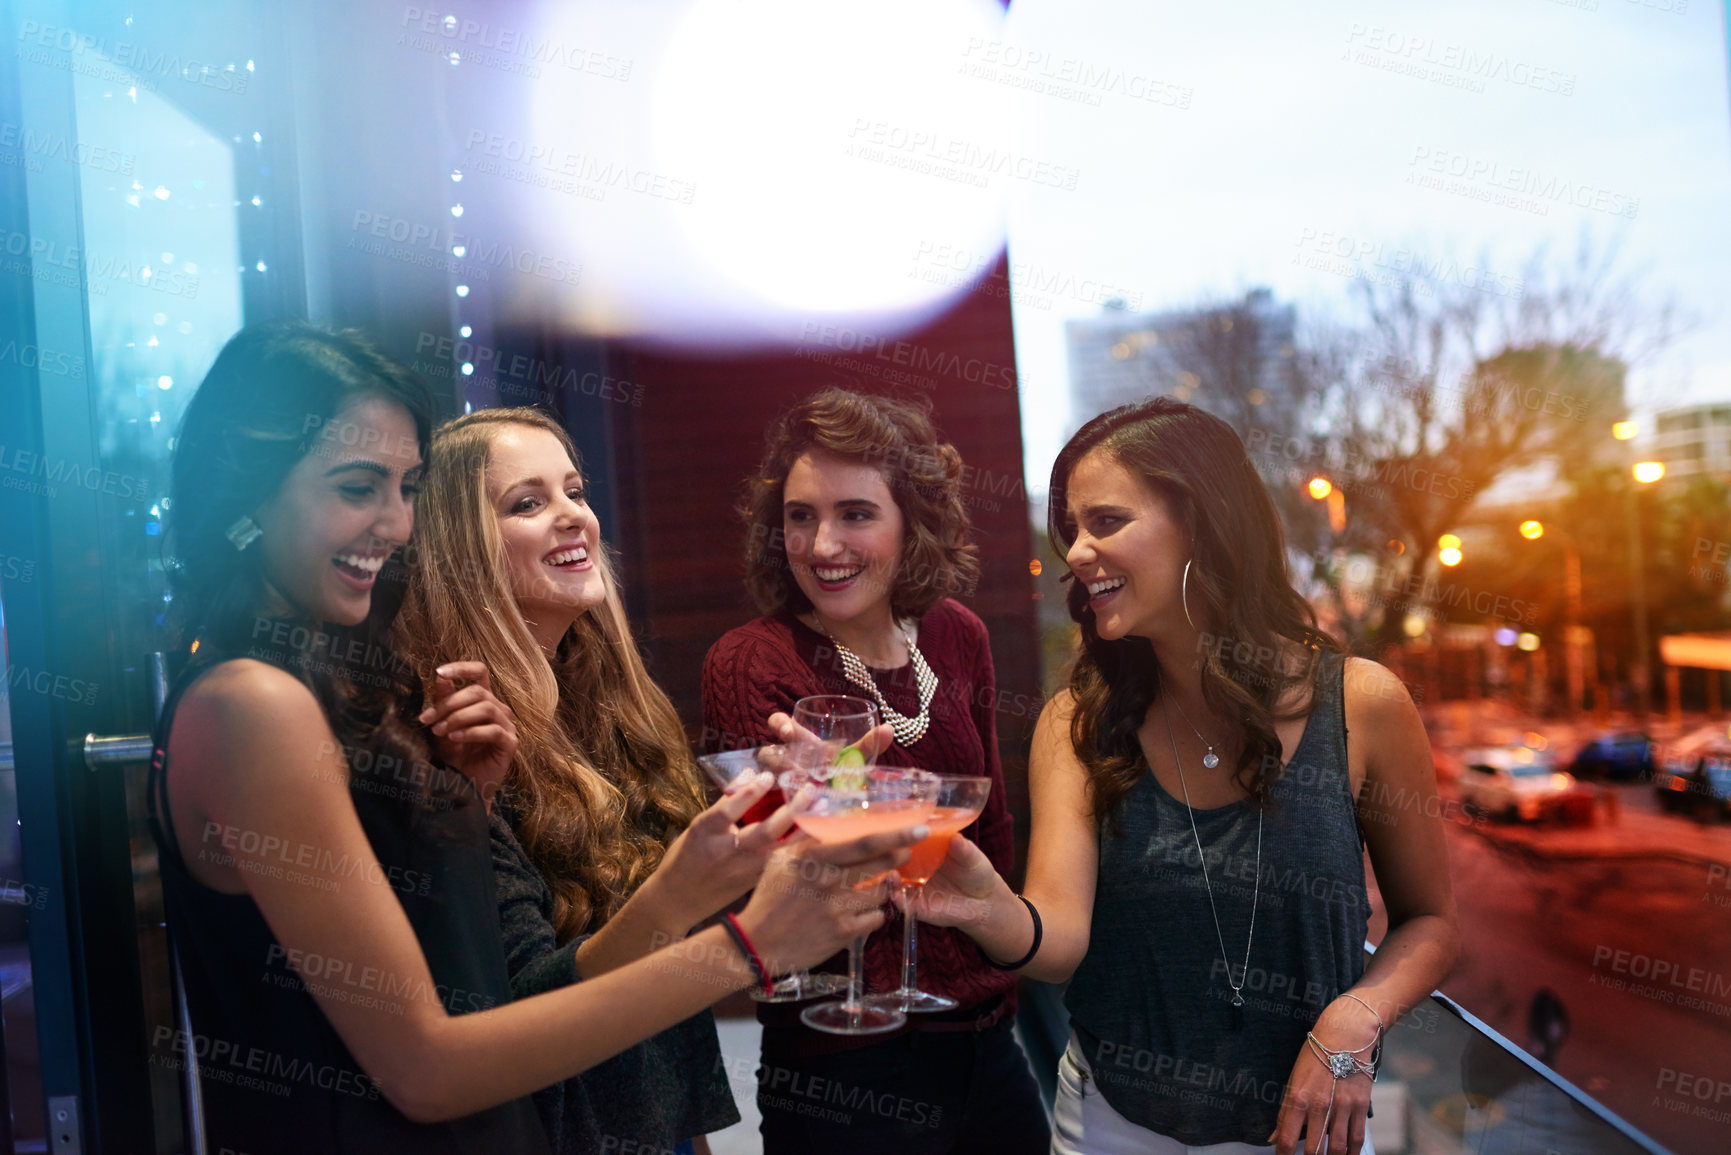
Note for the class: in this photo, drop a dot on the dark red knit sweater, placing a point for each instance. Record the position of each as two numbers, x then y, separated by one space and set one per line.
768 664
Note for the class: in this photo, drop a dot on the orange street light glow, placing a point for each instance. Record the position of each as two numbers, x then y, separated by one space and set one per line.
1623 430
1320 487
1647 472
1449 555
1532 530
1449 541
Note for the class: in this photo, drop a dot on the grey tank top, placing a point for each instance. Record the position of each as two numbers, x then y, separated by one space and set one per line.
1151 1002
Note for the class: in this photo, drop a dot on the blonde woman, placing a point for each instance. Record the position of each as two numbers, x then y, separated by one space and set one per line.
602 847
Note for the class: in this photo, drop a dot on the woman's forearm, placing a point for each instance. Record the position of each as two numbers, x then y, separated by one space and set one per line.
1413 960
649 920
1004 930
466 1063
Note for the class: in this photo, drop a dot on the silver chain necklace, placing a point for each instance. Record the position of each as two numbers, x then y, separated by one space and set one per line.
1210 759
907 730
1202 859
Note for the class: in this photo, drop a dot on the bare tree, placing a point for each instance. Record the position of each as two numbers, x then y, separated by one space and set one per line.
1447 385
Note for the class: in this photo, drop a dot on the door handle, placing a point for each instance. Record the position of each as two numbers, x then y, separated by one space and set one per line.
121 749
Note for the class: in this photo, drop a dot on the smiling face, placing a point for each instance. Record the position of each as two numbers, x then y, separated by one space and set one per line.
342 511
551 536
844 535
1128 550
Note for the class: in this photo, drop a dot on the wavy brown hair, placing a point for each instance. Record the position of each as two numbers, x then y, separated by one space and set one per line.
923 473
603 781
1265 639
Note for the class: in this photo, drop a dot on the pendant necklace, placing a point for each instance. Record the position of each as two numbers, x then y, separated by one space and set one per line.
1202 859
1209 759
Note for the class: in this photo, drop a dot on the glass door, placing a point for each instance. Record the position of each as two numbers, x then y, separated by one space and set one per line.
137 158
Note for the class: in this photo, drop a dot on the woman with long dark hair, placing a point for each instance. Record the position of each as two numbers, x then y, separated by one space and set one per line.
1199 818
324 845
857 538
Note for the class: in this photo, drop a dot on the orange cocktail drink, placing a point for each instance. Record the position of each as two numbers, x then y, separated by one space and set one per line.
842 804
958 803
868 818
946 822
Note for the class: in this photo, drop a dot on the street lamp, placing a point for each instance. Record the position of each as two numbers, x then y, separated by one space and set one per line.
1322 489
1533 530
1644 473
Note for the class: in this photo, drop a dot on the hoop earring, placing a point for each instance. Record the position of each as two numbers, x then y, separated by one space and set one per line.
1184 594
243 532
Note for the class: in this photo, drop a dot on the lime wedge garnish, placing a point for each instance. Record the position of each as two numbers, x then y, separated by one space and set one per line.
851 757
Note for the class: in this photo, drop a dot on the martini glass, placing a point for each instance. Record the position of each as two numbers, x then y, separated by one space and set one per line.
958 803
723 769
840 806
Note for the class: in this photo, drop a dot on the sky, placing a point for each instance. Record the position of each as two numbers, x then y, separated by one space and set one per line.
1282 136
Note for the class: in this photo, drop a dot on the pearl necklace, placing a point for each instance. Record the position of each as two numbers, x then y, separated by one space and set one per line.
907 730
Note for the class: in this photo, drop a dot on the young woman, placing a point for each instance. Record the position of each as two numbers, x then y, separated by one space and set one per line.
856 534
325 874
1196 870
598 840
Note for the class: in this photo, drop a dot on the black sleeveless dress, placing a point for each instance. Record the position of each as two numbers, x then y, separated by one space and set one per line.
275 1075
1151 1004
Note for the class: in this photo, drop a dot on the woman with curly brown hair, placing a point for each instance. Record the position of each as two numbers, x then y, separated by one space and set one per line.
857 537
1211 935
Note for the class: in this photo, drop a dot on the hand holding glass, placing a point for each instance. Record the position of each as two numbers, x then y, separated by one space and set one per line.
839 806
724 769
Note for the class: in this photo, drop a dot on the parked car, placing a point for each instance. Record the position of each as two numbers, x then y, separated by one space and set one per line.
1513 782
1694 774
1618 756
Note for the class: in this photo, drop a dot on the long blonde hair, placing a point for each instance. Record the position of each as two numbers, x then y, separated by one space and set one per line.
603 780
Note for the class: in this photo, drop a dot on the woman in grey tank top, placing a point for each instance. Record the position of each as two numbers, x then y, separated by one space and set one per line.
1196 865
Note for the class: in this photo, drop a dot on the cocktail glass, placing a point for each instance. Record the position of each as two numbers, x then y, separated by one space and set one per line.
846 804
723 769
957 805
831 730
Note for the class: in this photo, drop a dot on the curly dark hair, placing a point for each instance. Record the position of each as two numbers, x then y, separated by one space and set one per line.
939 558
1239 582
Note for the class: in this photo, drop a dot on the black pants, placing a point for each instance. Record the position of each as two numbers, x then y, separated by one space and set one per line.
921 1093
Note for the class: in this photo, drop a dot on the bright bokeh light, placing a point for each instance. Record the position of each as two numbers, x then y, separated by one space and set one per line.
1320 487
1414 625
1623 430
1527 642
1647 472
1532 530
1448 541
843 160
1449 555
1505 636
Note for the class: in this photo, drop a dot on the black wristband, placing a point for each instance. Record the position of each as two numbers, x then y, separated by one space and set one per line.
1034 949
737 934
